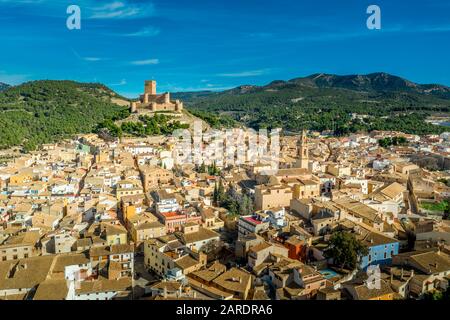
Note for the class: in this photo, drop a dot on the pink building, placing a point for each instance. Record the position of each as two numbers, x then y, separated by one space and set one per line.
174 221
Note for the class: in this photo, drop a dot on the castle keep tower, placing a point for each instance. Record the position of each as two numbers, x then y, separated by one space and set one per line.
302 152
153 102
150 87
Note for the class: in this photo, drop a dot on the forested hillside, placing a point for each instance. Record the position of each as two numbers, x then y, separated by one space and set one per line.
343 104
44 111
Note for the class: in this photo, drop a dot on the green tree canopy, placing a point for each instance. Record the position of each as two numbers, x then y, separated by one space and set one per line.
345 249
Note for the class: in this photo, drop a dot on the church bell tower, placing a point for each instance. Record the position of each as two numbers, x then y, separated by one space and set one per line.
302 152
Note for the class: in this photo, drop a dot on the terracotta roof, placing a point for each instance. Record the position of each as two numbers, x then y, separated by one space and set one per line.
186 262
104 285
235 280
202 234
211 272
51 290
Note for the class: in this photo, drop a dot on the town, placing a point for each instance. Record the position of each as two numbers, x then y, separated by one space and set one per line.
359 217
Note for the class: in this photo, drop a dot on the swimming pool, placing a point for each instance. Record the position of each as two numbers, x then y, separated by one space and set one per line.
328 273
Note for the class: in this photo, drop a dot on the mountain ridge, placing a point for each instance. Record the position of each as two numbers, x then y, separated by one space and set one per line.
372 82
329 102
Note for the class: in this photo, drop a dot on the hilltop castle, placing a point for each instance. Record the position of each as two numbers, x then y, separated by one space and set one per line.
155 102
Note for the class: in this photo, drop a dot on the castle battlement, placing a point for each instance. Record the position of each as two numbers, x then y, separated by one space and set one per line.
154 102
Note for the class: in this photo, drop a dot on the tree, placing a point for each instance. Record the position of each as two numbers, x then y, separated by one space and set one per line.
245 205
202 168
216 194
447 212
232 206
435 295
345 250
213 170
212 249
221 196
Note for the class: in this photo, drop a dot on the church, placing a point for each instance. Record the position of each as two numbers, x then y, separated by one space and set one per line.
151 101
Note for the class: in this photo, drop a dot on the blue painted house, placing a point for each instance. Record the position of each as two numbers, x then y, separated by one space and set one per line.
381 249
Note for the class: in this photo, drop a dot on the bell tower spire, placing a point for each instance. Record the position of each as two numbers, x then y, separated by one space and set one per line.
302 152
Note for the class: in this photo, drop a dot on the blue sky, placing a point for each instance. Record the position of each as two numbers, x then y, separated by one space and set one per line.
216 44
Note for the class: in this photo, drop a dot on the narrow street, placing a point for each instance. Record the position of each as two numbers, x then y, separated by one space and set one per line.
143 277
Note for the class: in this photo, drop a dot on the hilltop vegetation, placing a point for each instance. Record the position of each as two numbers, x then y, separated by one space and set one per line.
146 126
45 111
326 102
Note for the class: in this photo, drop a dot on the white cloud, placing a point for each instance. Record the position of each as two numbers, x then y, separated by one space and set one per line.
121 83
112 6
88 59
145 62
242 74
146 32
122 10
93 59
